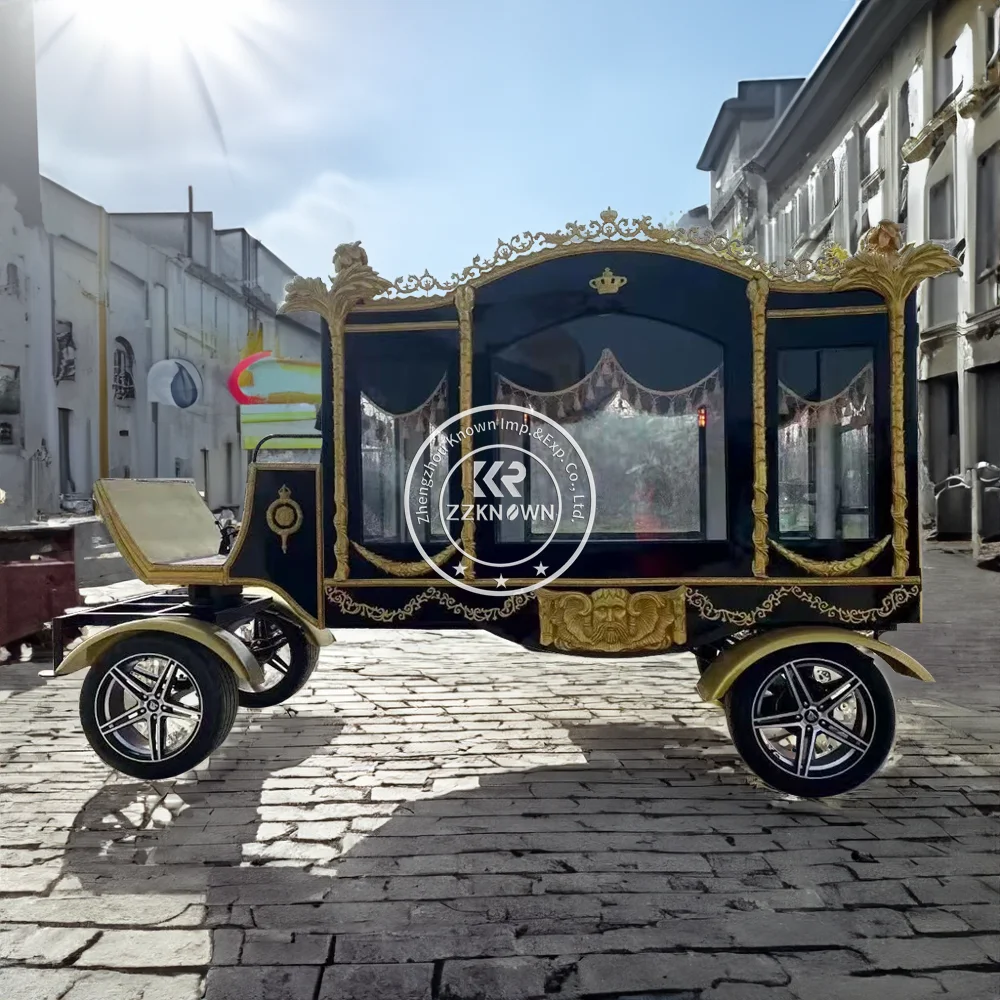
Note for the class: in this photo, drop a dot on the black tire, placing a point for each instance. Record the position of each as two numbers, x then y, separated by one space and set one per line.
284 651
826 767
203 677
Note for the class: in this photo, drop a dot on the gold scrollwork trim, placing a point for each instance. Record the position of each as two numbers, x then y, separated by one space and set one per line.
284 516
612 620
757 294
893 601
893 270
396 568
841 567
387 616
694 244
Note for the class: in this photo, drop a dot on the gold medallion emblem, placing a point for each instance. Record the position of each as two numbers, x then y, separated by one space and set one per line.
284 516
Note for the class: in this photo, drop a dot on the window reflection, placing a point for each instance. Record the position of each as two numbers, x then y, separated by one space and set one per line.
825 446
389 442
656 455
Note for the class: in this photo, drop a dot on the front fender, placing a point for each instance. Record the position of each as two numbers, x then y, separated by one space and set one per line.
317 636
725 668
223 644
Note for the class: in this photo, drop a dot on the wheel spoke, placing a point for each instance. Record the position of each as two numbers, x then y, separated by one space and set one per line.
797 686
279 664
177 711
847 688
157 735
166 681
128 718
842 734
805 747
783 720
130 684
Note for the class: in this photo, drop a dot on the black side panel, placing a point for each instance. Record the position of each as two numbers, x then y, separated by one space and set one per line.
280 542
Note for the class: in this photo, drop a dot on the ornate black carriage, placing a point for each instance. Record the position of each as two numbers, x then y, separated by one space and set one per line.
750 433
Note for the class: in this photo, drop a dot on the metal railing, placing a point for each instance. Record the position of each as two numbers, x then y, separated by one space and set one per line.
982 478
286 437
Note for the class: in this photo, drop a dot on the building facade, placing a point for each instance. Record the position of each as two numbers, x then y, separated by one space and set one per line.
90 301
914 138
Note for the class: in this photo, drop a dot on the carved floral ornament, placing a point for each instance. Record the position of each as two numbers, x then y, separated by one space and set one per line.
355 281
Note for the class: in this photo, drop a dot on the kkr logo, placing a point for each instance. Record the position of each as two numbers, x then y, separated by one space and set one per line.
510 480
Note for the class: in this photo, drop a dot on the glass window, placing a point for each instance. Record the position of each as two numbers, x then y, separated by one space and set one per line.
825 448
389 441
657 454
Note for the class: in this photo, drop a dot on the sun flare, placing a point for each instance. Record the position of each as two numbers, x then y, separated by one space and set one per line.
162 25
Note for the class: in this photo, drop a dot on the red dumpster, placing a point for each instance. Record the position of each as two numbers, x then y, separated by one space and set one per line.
37 581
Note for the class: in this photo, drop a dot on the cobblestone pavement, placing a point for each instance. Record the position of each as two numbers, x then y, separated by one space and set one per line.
446 815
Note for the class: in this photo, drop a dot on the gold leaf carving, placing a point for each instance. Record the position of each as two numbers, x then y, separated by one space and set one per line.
612 620
396 568
387 616
757 294
842 567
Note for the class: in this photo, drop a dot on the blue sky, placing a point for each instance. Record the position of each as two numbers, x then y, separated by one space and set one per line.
425 128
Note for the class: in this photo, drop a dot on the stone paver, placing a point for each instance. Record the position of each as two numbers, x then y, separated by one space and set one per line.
444 816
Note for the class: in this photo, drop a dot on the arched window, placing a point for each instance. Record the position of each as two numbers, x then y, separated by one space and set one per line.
124 364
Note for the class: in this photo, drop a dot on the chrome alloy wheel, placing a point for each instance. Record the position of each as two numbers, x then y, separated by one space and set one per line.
148 708
814 718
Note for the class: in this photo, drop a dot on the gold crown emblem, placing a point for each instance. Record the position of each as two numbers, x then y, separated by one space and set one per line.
608 283
284 493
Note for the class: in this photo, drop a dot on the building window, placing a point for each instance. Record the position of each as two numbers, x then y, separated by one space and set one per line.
825 447
64 355
992 38
10 390
124 365
6 433
942 291
987 229
944 79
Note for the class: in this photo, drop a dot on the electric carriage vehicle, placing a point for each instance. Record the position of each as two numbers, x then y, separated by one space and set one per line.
750 436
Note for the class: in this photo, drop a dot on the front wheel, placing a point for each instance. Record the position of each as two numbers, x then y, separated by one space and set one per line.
154 706
284 651
814 720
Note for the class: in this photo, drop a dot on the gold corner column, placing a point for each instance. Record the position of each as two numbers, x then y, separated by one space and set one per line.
465 298
354 282
757 291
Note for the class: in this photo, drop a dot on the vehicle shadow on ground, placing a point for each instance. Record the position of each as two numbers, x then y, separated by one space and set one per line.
20 676
654 823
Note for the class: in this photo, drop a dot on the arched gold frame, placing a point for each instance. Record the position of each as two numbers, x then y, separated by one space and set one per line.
882 265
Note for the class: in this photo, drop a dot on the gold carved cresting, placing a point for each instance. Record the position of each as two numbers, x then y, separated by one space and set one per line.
612 620
611 229
757 294
353 282
883 265
284 516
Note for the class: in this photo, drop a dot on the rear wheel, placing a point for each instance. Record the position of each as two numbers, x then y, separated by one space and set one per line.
286 654
813 720
154 705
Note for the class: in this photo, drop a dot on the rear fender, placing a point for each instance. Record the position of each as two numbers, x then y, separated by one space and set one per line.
226 646
728 666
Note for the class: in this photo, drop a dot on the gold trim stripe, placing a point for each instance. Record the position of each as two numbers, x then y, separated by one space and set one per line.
417 327
663 581
823 313
465 299
838 567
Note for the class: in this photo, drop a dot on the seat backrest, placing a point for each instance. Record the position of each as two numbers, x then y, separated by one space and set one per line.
161 520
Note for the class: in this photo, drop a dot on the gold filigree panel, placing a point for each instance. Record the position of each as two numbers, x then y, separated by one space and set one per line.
612 620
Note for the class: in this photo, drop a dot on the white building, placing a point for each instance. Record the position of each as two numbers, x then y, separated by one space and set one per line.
913 137
81 289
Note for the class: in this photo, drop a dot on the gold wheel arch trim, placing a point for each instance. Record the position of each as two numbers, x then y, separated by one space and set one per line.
226 646
728 666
